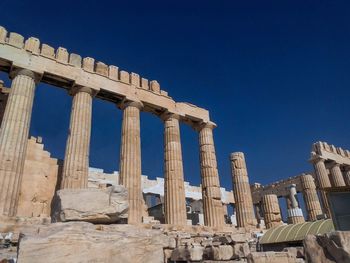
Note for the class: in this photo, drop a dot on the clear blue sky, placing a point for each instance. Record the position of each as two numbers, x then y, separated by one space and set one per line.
273 74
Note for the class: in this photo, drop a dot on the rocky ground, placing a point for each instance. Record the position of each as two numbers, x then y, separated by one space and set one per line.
86 242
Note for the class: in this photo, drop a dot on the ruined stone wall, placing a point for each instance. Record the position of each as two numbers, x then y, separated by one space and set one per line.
38 182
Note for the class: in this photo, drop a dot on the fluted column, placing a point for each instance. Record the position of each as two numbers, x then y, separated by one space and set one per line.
272 212
76 161
241 189
295 214
212 205
14 133
323 182
130 159
336 175
312 203
347 175
174 187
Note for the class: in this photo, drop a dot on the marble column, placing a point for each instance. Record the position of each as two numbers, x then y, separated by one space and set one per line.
312 203
272 212
347 175
212 205
336 175
130 159
295 214
174 186
14 133
76 161
323 182
241 189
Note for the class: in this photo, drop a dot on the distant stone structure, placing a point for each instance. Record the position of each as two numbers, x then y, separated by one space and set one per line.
30 62
48 201
332 168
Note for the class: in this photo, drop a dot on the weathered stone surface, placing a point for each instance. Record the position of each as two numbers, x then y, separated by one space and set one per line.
130 159
38 182
76 161
62 55
93 205
271 257
212 205
13 139
224 252
331 247
174 187
32 44
84 242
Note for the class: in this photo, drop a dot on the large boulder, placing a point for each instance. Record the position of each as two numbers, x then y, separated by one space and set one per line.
328 248
93 205
84 242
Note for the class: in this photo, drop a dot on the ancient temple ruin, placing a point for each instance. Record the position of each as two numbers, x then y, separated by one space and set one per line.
188 223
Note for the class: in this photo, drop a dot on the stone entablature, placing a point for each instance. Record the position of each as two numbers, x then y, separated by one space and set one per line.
330 153
63 69
279 188
153 186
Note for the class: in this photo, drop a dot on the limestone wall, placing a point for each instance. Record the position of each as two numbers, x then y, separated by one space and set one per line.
38 182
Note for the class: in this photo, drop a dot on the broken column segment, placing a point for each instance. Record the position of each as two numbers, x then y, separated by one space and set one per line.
241 189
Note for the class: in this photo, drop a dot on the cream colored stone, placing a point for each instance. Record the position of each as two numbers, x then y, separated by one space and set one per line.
164 93
212 206
32 44
336 176
47 51
62 55
312 202
323 182
93 205
3 34
101 68
16 40
85 242
130 159
13 140
135 79
144 84
58 73
174 188
89 64
113 72
241 189
38 183
76 161
75 60
224 252
271 257
124 76
155 87
272 212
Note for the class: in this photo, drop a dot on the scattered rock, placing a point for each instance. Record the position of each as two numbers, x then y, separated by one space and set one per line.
93 205
330 247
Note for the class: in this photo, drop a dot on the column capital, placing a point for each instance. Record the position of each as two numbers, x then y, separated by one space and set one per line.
167 115
316 158
25 72
202 125
76 89
126 103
